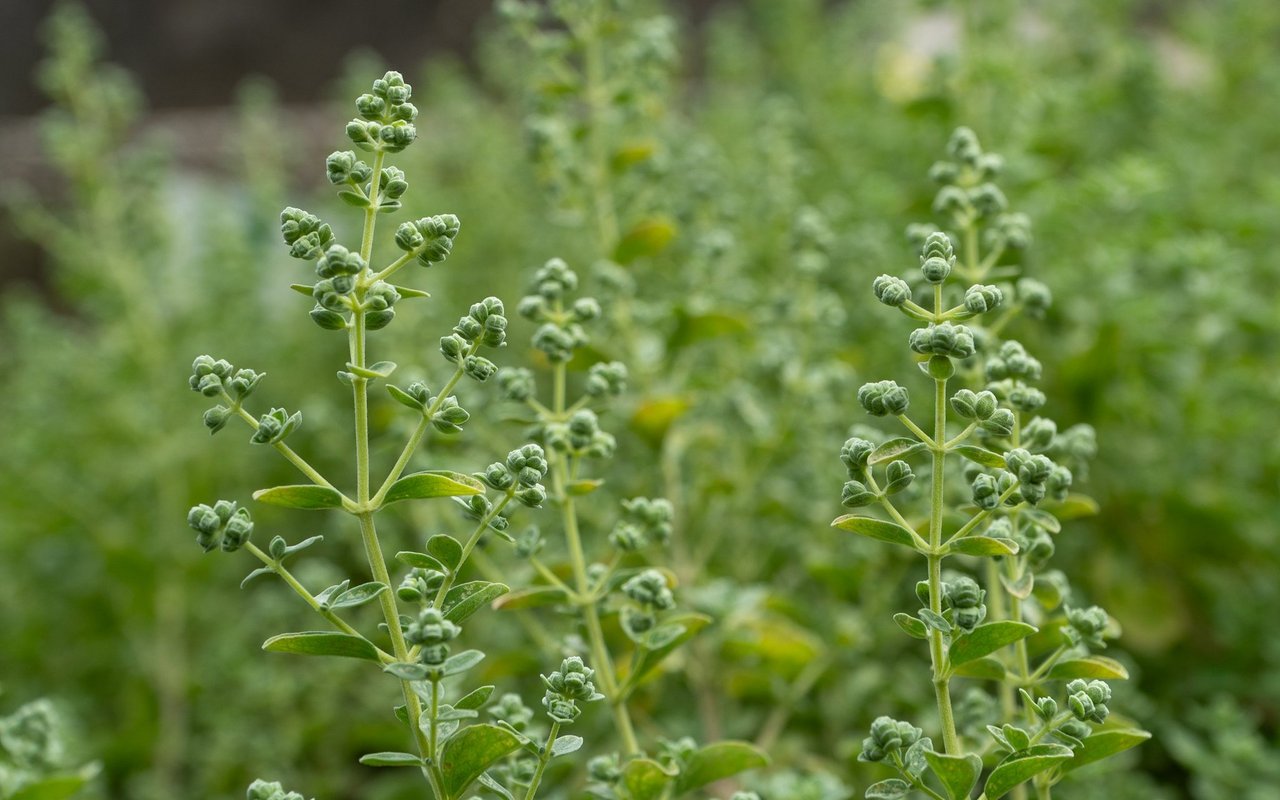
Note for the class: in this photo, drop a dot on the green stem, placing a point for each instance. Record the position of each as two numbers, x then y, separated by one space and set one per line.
916 429
941 679
470 545
286 451
544 758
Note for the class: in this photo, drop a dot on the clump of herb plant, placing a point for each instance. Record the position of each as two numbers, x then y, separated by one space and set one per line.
1010 621
419 650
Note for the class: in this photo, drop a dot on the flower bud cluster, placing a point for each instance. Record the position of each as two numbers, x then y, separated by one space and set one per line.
261 790
275 426
307 236
891 290
883 398
945 339
522 475
643 521
606 379
962 597
650 594
212 377
1088 700
510 709
566 688
430 239
888 736
972 405
419 585
431 632
386 116
581 435
476 507
1086 626
937 257
517 383
560 331
225 525
968 192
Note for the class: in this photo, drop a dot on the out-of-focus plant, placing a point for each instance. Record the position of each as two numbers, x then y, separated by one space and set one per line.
34 762
1019 497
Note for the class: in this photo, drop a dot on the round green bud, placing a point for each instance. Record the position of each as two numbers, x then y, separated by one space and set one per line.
238 530
275 426
945 339
377 320
963 146
855 495
529 543
884 398
261 790
452 347
391 184
935 269
649 589
1088 700
497 476
209 386
854 455
606 379
554 279
243 383
1026 398
605 769
516 383
216 418
891 291
338 260
329 320
627 537
888 736
944 173
556 342
979 299
986 492
532 496
479 368
450 417
987 199
1039 433
989 166
1087 626
1000 423
950 200
586 309
469 328
937 244
1034 296
898 476
1014 230
340 165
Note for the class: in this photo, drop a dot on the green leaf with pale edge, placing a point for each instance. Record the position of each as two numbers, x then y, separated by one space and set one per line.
986 669
986 639
981 456
648 660
1042 519
564 745
423 485
471 751
959 774
421 560
900 447
717 761
408 293
307 496
488 782
466 599
475 698
584 486
1105 744
533 597
461 662
984 546
911 626
876 529
1022 766
445 549
402 397
322 643
302 288
54 787
391 760
1099 667
892 789
644 779
1022 587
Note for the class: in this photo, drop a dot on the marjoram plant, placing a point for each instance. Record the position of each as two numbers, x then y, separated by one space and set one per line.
1010 623
455 753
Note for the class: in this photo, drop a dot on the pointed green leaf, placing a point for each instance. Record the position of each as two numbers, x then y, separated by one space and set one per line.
959 774
408 293
306 497
475 698
420 560
533 597
322 643
461 662
892 789
985 669
876 529
446 550
442 483
648 660
912 626
1100 667
1042 519
302 288
54 787
466 599
402 397
584 486
471 751
564 745
901 447
391 760
645 779
408 670
1105 744
1022 766
487 781
986 639
983 546
257 573
980 456
1020 588
358 595
717 761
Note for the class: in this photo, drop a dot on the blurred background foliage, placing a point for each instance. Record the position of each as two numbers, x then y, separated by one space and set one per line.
761 172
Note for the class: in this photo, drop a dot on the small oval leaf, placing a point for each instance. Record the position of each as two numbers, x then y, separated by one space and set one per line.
461 662
420 560
717 761
446 550
981 456
391 760
322 643
1099 667
564 745
358 595
475 698
901 447
878 529
309 497
532 597
466 599
959 773
645 779
1105 744
422 485
984 546
911 626
986 669
471 751
1022 766
986 639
